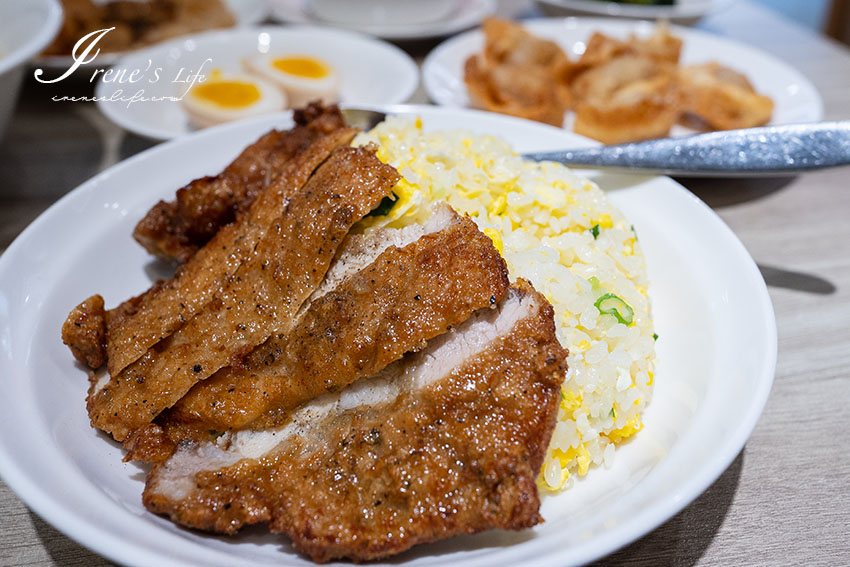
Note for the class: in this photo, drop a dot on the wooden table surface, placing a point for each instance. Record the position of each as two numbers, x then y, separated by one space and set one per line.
785 500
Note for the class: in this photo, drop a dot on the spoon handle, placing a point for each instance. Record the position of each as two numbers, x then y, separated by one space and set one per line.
770 150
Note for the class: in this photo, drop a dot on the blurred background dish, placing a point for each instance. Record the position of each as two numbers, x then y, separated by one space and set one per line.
357 70
463 14
794 97
381 12
679 11
244 13
26 27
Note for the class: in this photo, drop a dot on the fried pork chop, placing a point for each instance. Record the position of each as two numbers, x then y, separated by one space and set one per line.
84 331
175 230
158 314
142 321
258 300
385 295
446 441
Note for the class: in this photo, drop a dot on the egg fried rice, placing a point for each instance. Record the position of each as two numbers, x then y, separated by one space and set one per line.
559 231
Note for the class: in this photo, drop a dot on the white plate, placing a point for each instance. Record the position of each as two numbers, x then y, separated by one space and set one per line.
681 11
716 353
794 96
371 71
467 14
247 13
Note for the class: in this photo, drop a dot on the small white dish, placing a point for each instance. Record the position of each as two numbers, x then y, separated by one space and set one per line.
26 28
681 11
370 71
382 12
247 13
466 14
716 358
796 99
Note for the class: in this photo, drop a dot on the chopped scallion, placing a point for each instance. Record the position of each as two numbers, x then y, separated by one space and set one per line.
594 282
384 207
654 336
610 304
594 230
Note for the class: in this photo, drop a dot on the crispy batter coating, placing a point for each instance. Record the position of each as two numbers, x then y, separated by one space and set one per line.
621 90
84 331
403 298
175 230
258 300
518 74
629 98
721 98
162 312
455 452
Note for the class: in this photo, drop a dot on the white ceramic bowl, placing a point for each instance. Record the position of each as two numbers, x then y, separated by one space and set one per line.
387 12
26 27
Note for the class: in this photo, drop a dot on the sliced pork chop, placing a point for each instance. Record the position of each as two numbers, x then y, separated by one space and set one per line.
175 230
446 441
260 299
84 331
156 315
433 277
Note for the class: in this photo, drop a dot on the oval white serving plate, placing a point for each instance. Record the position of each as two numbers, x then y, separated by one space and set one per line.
681 11
795 98
371 71
716 353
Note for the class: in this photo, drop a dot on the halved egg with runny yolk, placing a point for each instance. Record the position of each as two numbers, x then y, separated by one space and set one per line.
303 78
225 97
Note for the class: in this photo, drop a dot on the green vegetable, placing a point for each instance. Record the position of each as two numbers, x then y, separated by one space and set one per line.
654 336
594 282
613 413
563 397
633 230
610 304
594 230
384 207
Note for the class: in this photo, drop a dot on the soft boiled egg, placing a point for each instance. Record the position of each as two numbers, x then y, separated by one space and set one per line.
304 78
224 97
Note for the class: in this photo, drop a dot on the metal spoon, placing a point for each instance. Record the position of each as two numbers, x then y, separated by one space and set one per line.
766 151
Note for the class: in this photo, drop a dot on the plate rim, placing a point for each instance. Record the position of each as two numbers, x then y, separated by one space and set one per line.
677 12
28 51
477 12
639 525
589 21
413 74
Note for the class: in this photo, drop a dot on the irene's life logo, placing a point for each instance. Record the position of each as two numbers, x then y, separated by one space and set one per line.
86 51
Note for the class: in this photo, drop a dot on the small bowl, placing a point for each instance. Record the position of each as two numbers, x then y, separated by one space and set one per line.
382 12
26 28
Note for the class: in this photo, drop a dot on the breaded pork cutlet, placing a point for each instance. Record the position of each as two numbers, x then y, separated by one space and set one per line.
260 299
159 314
175 230
142 321
446 441
386 294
